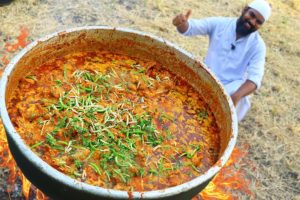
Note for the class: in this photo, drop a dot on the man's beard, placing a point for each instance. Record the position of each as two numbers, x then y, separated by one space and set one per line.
241 28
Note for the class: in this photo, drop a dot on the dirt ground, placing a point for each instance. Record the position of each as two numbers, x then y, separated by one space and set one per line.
272 127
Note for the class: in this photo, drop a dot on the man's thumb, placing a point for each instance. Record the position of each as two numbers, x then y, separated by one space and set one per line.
188 14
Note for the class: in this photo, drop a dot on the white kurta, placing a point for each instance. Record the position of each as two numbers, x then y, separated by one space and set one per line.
232 66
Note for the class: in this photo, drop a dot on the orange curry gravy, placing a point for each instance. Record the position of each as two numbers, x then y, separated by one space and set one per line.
115 121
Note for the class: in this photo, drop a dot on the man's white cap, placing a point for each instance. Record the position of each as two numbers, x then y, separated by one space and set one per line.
263 7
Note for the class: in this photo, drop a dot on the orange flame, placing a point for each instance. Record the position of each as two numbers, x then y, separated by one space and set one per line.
7 160
40 195
21 41
25 186
229 179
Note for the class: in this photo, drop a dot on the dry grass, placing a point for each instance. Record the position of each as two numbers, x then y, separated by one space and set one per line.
272 127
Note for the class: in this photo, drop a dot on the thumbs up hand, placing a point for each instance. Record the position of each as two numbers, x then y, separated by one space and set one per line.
181 21
181 18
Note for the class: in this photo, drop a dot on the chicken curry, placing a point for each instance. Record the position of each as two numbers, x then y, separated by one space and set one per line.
115 121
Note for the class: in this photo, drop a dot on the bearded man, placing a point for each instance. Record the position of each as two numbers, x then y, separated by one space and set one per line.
236 53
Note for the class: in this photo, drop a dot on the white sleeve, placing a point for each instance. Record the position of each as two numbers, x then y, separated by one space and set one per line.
204 26
255 69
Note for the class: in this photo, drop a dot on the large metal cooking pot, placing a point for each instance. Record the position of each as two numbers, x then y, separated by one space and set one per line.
59 186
